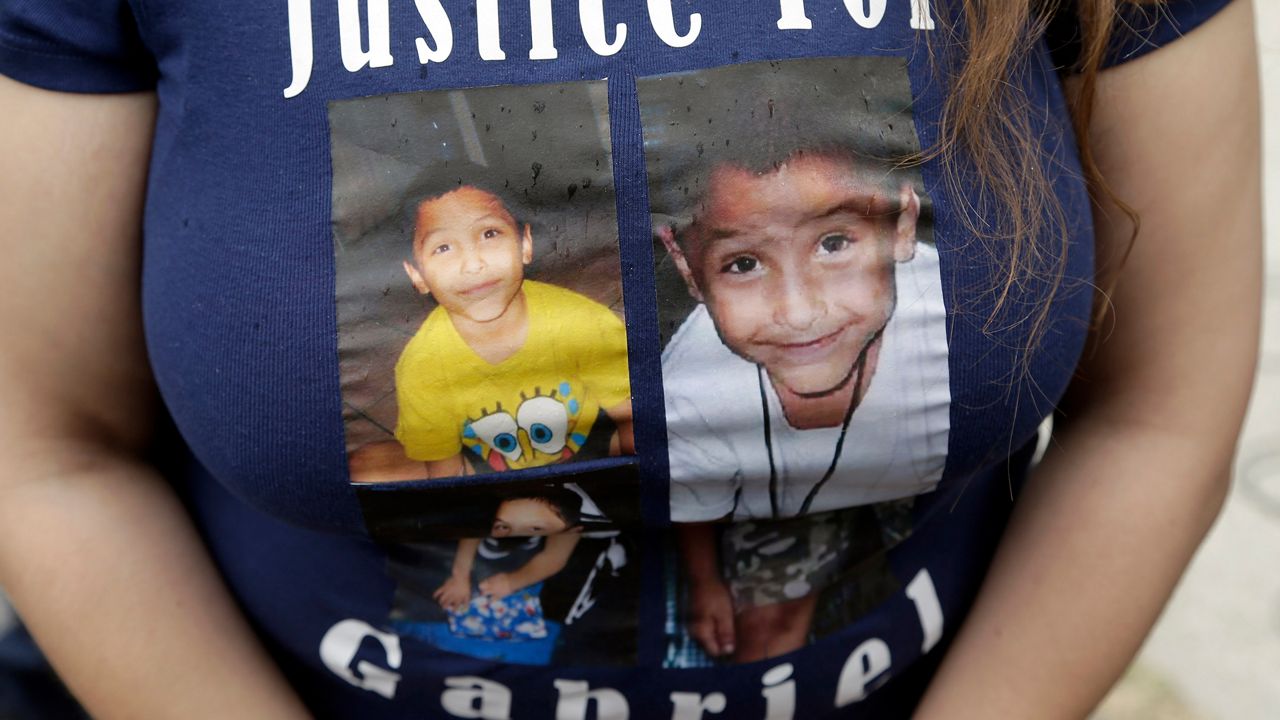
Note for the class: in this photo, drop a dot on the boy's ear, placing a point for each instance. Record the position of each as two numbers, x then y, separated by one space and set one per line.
415 277
682 263
904 241
526 245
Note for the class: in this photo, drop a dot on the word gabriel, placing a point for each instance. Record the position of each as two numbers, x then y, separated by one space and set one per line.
476 697
438 46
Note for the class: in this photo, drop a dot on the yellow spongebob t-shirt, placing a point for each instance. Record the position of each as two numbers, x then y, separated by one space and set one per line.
535 408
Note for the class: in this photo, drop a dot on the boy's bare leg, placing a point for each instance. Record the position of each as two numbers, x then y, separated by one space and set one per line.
386 462
768 631
383 462
449 467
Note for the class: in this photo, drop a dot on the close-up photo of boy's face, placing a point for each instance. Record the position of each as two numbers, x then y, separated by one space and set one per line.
469 253
796 265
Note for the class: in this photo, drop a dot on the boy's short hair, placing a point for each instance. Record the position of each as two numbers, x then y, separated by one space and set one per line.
698 121
883 199
414 201
566 503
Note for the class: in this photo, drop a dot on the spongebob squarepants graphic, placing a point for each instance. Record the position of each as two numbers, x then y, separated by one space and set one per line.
544 425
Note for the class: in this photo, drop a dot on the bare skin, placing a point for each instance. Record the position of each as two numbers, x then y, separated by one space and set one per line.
711 613
73 434
469 254
527 517
384 461
1142 463
767 631
552 559
796 268
455 593
742 634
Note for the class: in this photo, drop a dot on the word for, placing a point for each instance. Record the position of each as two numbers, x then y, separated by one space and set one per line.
479 698
370 46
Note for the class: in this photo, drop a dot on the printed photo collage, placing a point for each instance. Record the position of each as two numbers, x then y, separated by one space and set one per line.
483 355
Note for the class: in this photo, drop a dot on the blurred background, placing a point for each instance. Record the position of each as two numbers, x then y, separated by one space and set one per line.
1215 653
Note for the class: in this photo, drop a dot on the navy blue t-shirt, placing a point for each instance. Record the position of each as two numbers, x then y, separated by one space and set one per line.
572 360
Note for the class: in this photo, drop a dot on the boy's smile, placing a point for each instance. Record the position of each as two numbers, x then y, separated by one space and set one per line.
812 350
796 266
469 254
481 290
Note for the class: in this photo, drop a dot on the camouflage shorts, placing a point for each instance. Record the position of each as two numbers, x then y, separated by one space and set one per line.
773 561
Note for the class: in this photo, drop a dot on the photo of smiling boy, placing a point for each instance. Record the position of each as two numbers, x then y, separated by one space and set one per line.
805 367
794 268
515 372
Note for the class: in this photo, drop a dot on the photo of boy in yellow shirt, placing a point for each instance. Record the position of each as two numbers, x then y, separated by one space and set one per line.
478 292
514 372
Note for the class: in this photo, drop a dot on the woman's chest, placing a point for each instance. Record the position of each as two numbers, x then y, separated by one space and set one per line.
297 144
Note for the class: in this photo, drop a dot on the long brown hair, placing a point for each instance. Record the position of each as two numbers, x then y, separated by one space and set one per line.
988 117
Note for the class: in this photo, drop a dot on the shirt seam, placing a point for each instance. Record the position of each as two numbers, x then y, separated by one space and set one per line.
11 42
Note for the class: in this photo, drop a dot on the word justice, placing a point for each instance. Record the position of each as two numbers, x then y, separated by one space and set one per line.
368 44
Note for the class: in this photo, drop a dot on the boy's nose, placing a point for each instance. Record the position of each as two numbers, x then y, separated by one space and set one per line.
473 261
799 302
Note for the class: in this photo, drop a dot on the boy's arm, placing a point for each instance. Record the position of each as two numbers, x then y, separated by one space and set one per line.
621 416
465 558
711 607
554 556
455 592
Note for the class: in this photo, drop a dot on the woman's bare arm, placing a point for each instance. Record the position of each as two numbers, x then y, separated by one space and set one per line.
96 553
1139 470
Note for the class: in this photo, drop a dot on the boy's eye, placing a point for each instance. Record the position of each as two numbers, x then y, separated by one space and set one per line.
490 233
437 250
740 265
834 243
